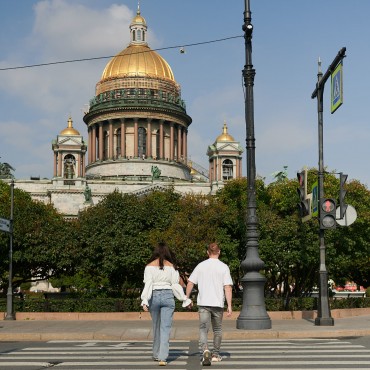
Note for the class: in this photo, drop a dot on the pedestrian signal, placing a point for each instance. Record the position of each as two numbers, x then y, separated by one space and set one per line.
327 214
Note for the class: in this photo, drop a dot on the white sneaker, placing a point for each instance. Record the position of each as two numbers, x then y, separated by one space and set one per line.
216 358
206 359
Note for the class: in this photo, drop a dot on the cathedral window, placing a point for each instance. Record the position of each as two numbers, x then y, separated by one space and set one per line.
118 143
157 144
105 145
227 169
141 142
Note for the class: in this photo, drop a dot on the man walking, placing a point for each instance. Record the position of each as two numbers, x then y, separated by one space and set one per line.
214 285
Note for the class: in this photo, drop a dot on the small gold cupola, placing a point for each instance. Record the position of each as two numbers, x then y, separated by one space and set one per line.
69 130
225 136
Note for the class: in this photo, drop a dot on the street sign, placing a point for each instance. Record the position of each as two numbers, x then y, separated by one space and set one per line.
337 88
5 225
349 217
315 199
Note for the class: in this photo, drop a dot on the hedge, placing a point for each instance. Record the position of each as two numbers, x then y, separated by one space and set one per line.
133 304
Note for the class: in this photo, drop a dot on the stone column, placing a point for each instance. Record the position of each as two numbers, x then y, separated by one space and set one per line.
55 163
111 141
60 164
82 168
172 141
93 144
184 148
89 143
219 169
179 143
101 141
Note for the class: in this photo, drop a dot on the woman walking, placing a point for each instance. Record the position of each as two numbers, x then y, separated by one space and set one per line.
161 285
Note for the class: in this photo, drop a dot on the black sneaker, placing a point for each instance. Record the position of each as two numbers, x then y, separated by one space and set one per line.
206 359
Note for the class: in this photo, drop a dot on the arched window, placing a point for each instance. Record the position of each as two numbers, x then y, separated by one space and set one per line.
141 150
105 145
118 143
133 35
157 144
69 166
227 169
138 35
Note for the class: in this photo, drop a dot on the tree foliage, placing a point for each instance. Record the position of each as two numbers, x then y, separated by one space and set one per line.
42 244
105 250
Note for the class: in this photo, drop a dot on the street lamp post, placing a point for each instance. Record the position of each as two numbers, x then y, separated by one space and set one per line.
253 314
9 295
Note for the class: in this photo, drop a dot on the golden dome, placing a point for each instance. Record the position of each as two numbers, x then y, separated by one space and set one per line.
69 130
138 19
138 61
225 136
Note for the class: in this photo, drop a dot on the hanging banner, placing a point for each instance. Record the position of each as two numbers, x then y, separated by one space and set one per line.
337 88
315 199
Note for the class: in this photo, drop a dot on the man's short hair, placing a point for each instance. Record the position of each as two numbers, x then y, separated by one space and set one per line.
213 248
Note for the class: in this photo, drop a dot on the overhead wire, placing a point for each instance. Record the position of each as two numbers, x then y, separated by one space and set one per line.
112 56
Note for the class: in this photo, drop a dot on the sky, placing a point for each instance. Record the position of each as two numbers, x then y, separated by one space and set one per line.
288 38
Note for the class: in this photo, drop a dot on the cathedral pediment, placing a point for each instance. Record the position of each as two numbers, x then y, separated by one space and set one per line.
229 147
69 141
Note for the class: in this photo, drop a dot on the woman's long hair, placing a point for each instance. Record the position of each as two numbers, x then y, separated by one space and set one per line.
162 252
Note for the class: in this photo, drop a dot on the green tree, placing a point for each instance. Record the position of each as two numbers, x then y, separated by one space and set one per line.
42 245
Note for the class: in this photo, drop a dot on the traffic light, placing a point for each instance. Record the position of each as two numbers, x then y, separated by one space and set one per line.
304 205
342 193
327 214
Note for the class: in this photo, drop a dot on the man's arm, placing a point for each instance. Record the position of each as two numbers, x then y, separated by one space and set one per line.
228 296
189 288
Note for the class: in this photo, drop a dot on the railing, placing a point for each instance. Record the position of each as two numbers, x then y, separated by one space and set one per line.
121 97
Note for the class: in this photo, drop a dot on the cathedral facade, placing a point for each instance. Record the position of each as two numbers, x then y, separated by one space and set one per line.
137 138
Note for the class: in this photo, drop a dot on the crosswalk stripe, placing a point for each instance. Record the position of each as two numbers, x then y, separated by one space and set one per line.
307 354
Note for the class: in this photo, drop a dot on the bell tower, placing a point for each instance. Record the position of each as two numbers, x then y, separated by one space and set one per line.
69 156
225 160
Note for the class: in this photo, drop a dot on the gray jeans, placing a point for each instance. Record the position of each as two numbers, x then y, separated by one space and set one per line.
208 315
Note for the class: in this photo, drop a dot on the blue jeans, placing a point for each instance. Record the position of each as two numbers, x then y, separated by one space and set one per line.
161 307
208 315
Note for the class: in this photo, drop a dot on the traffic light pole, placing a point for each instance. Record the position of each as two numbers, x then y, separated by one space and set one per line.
323 312
9 296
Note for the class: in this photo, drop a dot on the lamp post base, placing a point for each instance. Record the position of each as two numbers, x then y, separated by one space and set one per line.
253 324
253 315
324 321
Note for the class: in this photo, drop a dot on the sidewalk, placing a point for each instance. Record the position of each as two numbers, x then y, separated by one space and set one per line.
185 327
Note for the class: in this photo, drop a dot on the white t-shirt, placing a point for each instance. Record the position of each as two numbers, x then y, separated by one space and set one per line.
211 276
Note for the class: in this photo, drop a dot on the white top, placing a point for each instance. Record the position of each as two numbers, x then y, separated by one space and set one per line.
168 278
211 276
